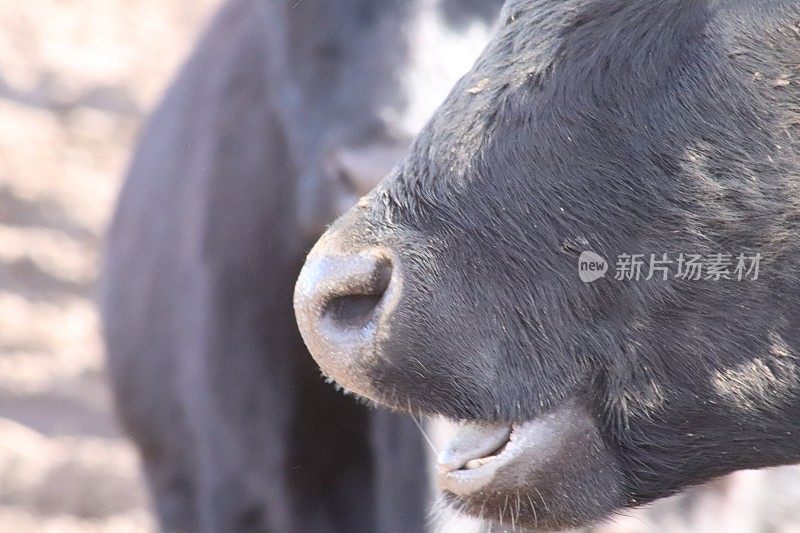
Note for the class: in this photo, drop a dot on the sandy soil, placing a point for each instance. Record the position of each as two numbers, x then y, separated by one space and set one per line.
76 78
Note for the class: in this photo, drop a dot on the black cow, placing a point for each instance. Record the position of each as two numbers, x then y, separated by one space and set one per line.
285 113
601 127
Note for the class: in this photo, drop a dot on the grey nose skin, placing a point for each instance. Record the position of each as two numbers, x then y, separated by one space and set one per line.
341 304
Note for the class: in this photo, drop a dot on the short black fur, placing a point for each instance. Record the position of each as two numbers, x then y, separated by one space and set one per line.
612 127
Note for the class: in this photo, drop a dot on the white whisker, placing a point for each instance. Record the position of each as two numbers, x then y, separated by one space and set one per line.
425 435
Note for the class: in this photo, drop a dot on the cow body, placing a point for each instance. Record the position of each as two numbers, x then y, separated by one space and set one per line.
282 116
616 128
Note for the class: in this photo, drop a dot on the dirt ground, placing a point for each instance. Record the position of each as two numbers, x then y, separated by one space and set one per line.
76 79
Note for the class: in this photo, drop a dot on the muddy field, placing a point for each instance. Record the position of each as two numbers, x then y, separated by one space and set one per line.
76 79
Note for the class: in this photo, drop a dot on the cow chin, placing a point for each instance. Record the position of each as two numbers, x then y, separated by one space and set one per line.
551 472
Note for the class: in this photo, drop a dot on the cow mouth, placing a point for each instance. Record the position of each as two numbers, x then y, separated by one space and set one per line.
474 455
483 457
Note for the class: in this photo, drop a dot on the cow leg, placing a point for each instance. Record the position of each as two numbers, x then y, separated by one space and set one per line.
401 464
170 476
149 409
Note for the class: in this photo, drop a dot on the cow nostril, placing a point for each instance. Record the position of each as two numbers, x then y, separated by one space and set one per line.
343 304
352 312
362 302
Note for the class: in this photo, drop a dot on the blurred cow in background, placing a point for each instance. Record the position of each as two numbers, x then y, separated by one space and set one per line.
283 116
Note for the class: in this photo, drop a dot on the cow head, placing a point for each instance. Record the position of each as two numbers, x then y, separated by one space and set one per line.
617 130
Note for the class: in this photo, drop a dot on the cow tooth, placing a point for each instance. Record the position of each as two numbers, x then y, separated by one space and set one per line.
477 463
474 463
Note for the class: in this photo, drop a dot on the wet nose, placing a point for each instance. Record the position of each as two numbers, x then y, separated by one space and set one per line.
340 302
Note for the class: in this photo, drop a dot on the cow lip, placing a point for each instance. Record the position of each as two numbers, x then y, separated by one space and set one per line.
501 452
473 456
480 455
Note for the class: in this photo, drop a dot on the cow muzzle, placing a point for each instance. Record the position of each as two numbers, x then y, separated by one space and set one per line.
343 302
